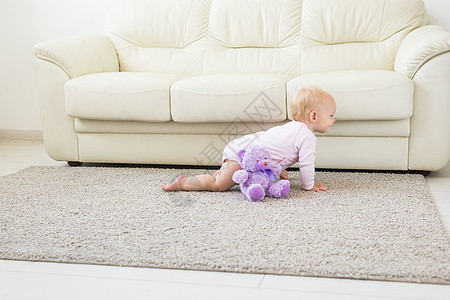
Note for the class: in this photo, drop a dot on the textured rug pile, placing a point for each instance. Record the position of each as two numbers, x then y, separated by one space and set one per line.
367 226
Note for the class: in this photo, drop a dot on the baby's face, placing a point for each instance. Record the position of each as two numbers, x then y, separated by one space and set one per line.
325 116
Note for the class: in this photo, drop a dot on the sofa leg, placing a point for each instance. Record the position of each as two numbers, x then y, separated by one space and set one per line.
422 172
74 163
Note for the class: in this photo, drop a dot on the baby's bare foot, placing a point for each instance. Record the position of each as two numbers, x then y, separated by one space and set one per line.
177 185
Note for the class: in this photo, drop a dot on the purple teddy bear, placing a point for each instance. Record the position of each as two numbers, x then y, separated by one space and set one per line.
257 177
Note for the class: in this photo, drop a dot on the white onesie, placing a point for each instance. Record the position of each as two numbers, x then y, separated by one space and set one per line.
287 144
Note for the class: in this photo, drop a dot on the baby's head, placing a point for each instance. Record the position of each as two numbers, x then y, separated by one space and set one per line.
314 107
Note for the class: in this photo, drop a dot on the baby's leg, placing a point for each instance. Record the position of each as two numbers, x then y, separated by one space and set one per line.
220 181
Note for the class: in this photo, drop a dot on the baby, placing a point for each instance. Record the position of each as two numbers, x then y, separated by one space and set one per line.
312 110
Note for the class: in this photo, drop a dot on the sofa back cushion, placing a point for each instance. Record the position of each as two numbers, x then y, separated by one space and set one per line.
291 37
166 36
254 36
355 34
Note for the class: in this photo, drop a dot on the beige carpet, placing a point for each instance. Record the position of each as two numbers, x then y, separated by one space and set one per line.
367 226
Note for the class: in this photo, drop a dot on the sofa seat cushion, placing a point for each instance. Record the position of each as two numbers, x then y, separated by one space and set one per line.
362 95
230 97
123 96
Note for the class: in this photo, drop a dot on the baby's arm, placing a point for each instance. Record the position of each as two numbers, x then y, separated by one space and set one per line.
319 188
306 157
310 186
307 176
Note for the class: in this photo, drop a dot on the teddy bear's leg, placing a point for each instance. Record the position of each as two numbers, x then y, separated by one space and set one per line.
279 189
255 192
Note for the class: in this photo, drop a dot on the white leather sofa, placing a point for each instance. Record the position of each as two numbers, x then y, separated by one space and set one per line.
173 81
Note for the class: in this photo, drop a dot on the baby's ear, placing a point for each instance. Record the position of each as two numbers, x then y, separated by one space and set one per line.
313 116
240 155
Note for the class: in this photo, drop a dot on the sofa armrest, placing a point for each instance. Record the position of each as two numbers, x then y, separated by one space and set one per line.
420 46
57 61
429 140
80 55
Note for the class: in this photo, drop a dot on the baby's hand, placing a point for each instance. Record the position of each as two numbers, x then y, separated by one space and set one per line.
284 174
319 188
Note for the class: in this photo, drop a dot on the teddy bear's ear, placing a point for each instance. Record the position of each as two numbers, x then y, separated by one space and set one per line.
240 155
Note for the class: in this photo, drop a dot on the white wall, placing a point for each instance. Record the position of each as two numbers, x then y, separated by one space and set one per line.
27 22
439 9
23 24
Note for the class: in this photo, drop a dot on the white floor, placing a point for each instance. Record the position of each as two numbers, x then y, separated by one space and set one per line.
29 280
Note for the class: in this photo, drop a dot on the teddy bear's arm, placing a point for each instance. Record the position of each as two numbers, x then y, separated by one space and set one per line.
240 176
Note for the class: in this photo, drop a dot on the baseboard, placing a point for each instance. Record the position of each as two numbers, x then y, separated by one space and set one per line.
28 135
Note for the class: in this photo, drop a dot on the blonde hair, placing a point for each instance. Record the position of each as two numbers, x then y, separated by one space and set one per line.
306 100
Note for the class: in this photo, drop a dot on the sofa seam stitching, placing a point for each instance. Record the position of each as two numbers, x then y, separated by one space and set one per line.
381 20
207 37
424 61
55 63
300 64
228 26
278 29
185 23
324 22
